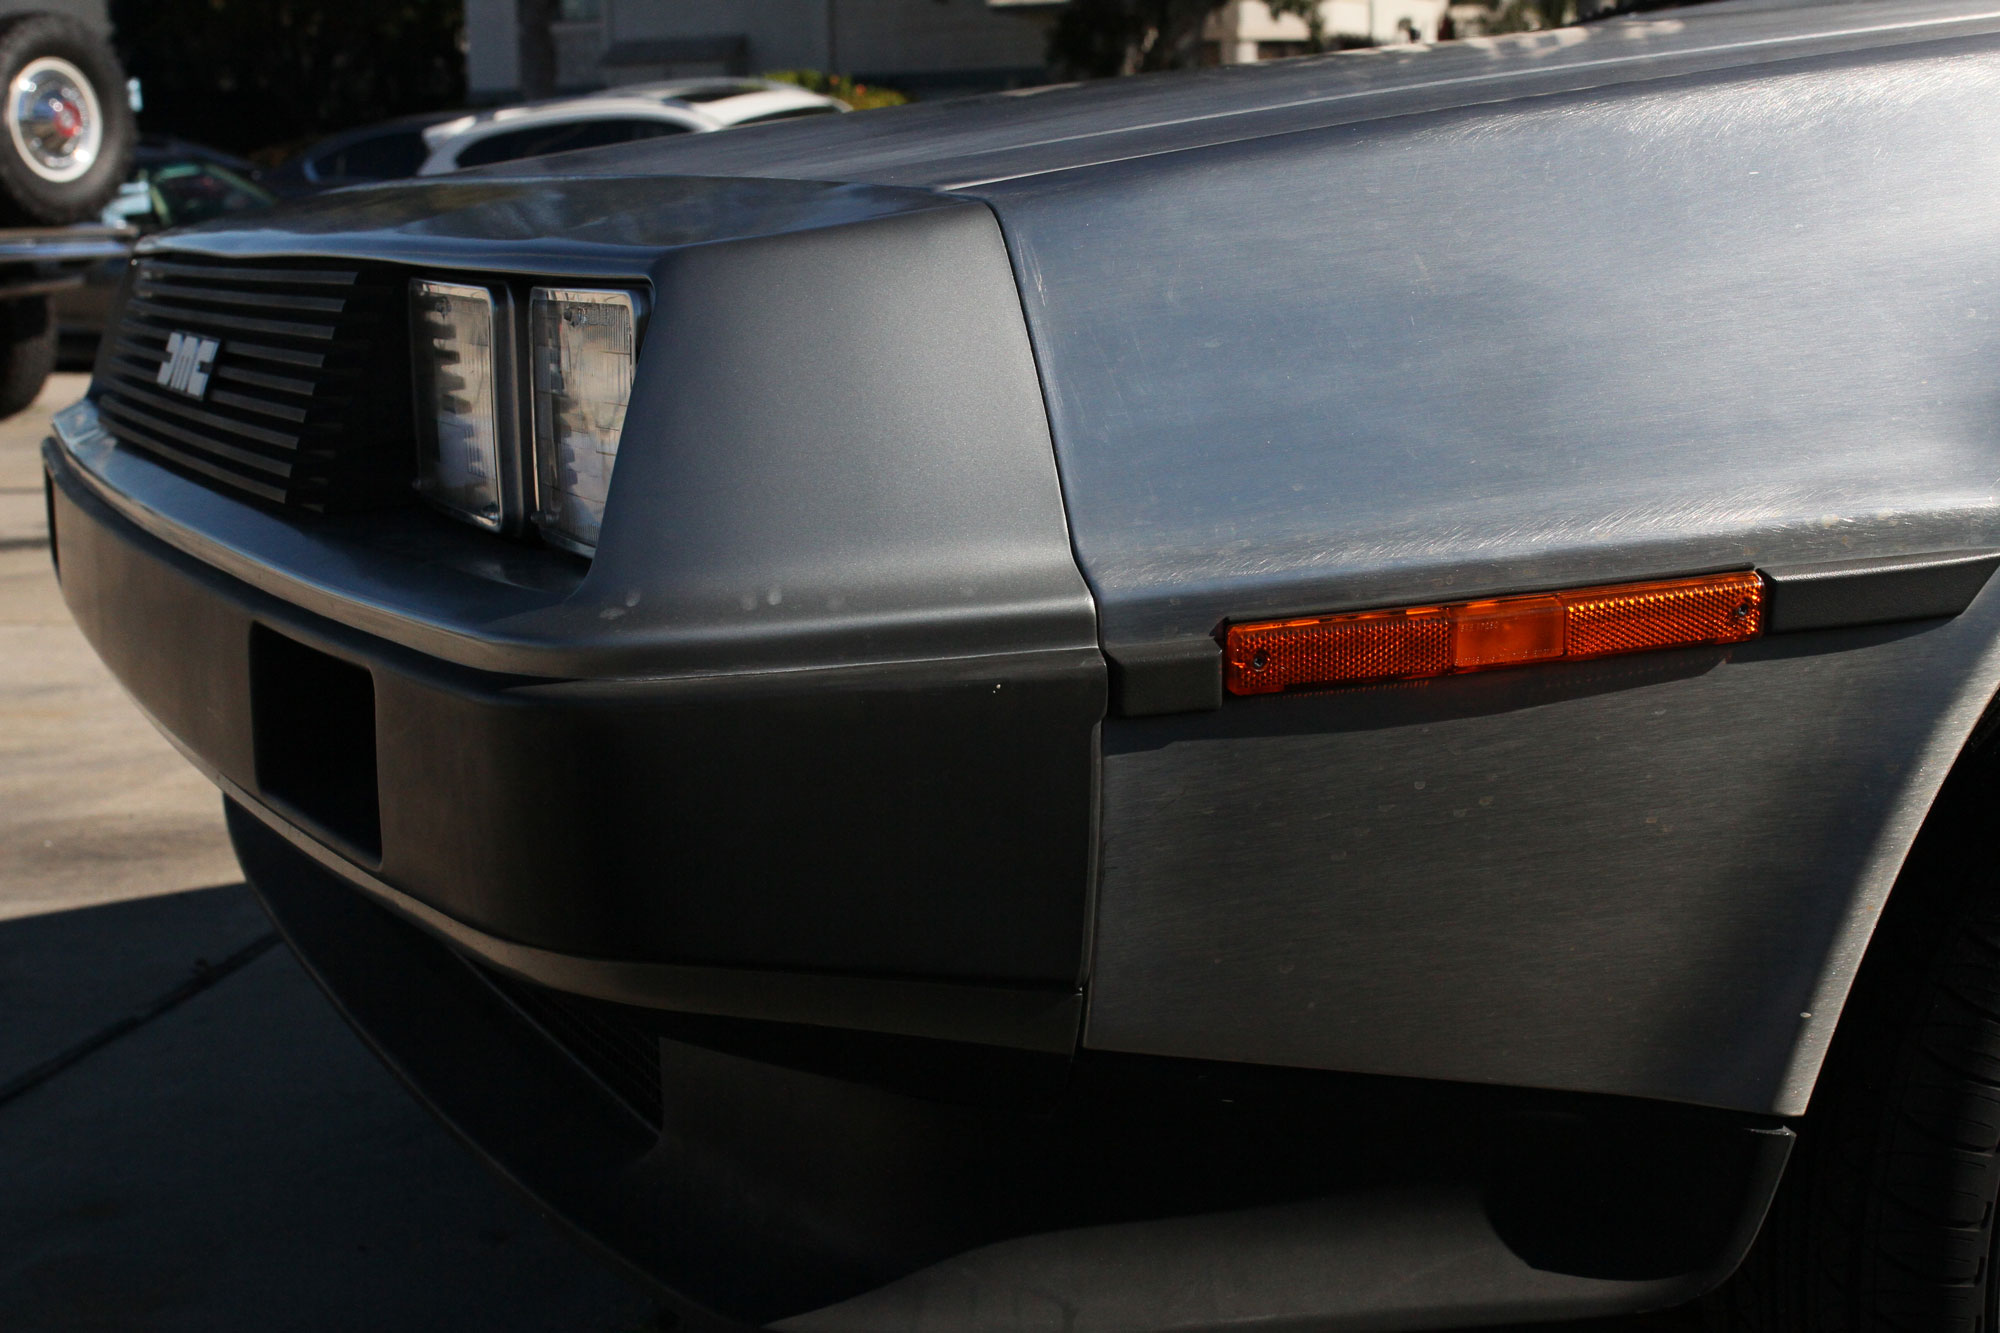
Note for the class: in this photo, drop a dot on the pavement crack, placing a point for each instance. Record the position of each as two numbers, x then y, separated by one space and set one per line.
206 975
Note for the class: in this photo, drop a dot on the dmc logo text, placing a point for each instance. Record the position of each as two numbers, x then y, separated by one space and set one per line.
188 360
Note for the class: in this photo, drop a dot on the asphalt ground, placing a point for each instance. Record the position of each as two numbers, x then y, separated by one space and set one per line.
190 1138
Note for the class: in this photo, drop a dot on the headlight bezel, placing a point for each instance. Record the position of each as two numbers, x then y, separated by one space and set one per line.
523 509
508 510
553 519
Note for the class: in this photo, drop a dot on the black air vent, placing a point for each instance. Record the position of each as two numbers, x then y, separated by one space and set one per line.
306 401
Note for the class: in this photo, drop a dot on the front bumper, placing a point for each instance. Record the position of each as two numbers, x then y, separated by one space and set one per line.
897 848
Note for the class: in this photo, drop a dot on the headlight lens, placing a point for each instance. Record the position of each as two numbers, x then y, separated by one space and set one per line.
463 457
583 344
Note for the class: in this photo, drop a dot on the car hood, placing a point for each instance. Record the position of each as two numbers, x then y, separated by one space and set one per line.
609 225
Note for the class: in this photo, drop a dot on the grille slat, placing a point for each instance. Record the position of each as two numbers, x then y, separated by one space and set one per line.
281 383
330 305
196 463
145 373
290 356
173 316
220 272
282 411
306 397
124 412
159 402
143 367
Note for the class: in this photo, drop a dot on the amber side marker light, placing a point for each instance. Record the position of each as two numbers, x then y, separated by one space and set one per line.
1415 641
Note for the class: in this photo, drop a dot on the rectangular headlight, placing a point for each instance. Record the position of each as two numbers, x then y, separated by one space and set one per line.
583 344
463 465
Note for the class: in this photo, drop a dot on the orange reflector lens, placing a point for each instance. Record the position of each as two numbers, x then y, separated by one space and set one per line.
1422 641
1514 629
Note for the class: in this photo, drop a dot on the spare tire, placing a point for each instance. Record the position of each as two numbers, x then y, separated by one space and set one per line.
66 128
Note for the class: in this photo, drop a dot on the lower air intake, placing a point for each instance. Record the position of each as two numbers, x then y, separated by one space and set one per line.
622 1055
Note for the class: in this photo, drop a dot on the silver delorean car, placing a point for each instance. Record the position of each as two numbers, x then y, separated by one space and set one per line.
1354 694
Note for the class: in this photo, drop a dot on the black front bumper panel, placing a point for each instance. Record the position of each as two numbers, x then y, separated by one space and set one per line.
899 848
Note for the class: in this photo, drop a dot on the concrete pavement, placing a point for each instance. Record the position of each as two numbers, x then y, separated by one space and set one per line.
94 805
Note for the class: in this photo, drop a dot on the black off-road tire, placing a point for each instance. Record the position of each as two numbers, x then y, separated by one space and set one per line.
1886 1220
28 198
27 351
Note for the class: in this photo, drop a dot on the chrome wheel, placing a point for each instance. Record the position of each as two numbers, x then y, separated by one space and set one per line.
55 120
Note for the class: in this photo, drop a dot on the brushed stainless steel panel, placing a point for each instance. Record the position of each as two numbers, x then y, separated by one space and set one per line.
1651 875
1724 320
1729 319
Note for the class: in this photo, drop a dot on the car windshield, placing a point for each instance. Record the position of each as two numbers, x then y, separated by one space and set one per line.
174 194
196 191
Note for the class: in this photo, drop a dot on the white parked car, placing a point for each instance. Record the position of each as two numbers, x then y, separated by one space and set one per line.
617 115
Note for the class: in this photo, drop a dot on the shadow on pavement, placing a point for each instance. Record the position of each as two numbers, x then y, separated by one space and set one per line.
190 1138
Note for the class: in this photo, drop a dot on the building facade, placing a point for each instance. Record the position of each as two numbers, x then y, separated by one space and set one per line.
1246 30
928 48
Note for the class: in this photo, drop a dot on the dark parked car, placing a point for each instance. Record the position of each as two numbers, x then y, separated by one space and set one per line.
1355 694
391 150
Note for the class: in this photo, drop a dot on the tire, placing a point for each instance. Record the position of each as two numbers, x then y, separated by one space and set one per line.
1886 1219
63 154
27 351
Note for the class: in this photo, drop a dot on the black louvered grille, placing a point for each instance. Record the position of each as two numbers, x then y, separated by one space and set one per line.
623 1055
307 401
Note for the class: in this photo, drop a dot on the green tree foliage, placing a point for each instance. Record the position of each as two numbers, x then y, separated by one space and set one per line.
860 96
257 74
1092 39
1531 15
